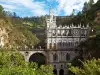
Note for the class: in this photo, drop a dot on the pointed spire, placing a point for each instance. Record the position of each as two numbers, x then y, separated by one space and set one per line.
78 25
50 11
68 26
87 25
72 25
83 26
51 14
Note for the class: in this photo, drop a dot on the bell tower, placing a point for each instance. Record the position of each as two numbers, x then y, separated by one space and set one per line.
51 19
51 26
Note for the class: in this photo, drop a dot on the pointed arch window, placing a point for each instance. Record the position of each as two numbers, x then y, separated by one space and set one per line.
55 57
60 44
50 46
76 43
61 72
54 47
69 33
54 32
67 56
59 32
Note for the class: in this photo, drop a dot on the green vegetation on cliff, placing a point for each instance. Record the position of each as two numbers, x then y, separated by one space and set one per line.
17 35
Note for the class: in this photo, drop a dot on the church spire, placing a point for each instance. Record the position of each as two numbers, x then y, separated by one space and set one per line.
51 14
50 11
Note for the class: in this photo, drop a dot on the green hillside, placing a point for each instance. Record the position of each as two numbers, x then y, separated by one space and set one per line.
19 35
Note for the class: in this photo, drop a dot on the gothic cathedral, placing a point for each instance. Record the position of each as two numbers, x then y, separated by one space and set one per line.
62 42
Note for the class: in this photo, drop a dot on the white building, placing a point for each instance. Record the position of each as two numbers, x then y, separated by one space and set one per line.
62 42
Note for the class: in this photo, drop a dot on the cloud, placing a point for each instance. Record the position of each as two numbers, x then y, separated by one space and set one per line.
41 7
89 0
67 6
35 8
7 6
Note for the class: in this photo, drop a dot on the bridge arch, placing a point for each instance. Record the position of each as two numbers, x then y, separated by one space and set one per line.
39 58
27 54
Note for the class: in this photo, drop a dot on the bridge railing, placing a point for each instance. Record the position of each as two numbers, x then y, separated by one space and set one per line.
27 49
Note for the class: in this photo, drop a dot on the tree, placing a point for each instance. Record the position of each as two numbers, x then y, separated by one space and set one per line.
14 14
12 63
1 9
90 67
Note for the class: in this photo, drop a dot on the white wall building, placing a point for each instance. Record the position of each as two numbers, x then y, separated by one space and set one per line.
62 42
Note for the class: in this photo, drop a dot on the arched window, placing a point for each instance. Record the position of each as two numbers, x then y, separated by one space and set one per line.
55 72
61 72
69 33
50 46
55 57
54 46
76 43
54 33
82 32
64 34
60 44
68 43
59 32
61 56
67 56
63 44
76 50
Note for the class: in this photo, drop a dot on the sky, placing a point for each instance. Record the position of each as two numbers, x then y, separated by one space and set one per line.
27 8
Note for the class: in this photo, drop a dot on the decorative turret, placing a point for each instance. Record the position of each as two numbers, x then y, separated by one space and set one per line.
87 25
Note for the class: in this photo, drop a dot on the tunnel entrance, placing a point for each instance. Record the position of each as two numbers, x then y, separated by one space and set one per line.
39 58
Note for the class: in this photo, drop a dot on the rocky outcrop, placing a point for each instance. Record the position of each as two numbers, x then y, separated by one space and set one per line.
15 36
3 37
4 30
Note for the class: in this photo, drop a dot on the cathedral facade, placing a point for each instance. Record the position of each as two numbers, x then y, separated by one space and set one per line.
62 42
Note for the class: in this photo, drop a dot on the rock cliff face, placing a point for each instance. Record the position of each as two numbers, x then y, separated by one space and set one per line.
4 30
3 37
15 36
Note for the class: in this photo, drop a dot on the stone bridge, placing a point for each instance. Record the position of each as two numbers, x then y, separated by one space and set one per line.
27 53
